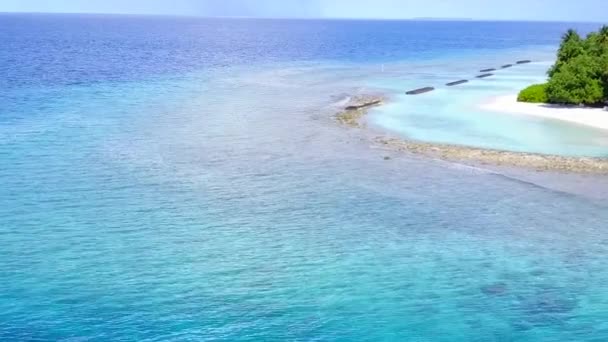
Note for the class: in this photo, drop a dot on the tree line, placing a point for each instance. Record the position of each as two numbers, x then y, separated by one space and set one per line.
579 75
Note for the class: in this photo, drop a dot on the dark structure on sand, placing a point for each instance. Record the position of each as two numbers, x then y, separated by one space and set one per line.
420 91
456 83
364 105
484 74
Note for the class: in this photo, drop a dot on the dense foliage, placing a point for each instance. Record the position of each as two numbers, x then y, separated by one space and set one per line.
580 74
536 93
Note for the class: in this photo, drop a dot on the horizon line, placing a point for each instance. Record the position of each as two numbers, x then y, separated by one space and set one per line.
457 19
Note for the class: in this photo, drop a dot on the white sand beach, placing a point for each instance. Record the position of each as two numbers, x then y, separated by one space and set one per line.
594 117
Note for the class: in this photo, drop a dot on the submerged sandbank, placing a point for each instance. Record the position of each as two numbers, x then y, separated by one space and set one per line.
475 155
592 117
540 162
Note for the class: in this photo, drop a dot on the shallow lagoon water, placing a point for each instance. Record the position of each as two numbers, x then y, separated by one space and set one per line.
225 204
452 115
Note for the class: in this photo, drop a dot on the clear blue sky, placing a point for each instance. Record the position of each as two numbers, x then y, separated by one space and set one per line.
564 10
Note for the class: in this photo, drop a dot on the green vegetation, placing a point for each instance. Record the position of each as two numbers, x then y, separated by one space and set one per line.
580 74
536 93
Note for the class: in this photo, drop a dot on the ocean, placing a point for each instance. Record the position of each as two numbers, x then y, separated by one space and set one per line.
182 179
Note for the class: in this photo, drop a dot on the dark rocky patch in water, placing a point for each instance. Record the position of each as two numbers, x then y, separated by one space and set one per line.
544 310
540 321
538 273
548 303
496 289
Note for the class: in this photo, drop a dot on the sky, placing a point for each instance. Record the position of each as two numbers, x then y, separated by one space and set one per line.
558 10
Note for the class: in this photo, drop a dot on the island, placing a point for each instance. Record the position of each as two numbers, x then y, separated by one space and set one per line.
577 87
579 76
359 105
576 91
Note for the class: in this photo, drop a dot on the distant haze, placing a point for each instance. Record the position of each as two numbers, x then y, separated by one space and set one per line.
558 10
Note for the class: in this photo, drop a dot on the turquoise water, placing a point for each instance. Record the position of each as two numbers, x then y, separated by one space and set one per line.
223 203
453 115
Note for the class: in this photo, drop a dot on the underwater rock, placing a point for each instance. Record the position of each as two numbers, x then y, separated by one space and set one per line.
484 75
549 304
544 310
495 289
538 273
525 61
522 325
487 70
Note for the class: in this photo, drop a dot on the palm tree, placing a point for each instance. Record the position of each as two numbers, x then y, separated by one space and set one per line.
603 35
572 46
602 40
571 35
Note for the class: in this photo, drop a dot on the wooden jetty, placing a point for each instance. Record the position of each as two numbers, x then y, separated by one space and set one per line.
420 91
484 75
456 83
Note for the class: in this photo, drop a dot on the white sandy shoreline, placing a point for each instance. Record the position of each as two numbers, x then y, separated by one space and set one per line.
361 104
592 117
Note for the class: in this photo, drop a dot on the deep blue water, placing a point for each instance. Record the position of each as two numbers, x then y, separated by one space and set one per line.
69 49
182 179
